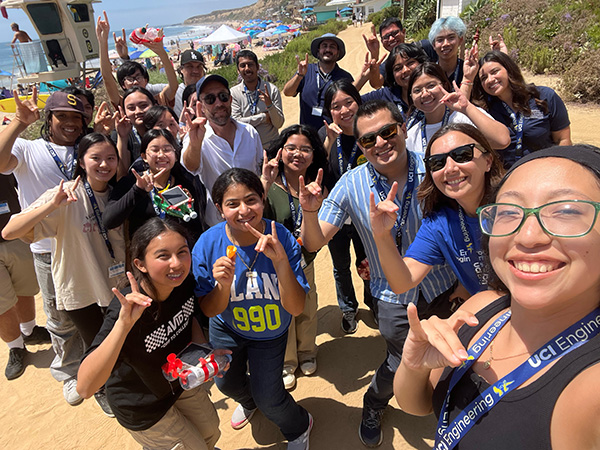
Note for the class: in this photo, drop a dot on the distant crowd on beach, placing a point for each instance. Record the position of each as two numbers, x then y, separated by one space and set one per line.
172 232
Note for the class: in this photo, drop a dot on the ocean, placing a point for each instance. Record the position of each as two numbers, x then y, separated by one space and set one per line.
172 32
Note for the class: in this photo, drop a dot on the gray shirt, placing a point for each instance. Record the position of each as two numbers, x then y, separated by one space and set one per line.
248 108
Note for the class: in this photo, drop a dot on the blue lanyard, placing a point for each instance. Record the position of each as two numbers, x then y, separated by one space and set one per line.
253 99
413 118
98 216
297 219
340 155
517 120
68 173
326 79
448 435
408 193
424 125
470 247
136 136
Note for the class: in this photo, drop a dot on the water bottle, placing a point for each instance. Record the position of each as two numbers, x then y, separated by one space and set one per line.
193 376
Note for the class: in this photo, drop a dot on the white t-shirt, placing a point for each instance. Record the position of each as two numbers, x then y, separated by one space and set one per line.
414 142
179 100
217 156
36 172
80 257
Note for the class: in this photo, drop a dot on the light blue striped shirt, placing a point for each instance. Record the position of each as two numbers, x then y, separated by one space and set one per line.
350 198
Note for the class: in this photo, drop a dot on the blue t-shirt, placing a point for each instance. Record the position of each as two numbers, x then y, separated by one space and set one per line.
537 127
312 93
254 310
440 240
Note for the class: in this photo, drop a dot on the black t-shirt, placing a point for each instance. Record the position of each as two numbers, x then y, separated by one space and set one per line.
332 175
137 390
9 202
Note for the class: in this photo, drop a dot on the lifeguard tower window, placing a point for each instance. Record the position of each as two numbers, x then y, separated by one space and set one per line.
79 12
46 18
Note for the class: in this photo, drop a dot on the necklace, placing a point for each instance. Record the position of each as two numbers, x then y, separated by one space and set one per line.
488 362
249 273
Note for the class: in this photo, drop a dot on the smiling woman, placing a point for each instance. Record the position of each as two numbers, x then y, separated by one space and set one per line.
537 347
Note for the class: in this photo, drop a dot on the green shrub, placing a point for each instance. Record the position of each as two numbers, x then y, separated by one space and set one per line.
582 81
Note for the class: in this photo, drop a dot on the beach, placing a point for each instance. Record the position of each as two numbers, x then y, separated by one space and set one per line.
35 414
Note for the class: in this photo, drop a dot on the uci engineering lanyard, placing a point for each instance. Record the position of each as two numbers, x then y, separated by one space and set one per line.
68 173
470 245
448 435
340 156
253 99
408 193
517 120
296 218
98 216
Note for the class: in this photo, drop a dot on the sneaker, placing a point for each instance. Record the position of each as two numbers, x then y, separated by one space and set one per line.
370 427
309 366
102 401
16 363
289 379
301 442
349 324
70 392
241 416
39 335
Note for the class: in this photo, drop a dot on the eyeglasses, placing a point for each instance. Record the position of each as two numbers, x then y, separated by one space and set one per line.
165 150
419 90
223 97
460 155
390 35
138 78
293 149
386 133
564 218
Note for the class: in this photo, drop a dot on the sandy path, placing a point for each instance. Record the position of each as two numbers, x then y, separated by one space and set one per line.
34 414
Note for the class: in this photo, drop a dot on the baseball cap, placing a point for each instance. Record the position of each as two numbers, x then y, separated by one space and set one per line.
61 101
190 56
208 78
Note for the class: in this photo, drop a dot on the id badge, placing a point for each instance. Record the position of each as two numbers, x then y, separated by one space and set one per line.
317 111
4 208
116 269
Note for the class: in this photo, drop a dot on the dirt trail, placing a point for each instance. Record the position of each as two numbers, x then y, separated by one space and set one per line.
35 415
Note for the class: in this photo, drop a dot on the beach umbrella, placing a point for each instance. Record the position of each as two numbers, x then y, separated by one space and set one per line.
4 73
147 54
271 25
346 10
135 54
265 34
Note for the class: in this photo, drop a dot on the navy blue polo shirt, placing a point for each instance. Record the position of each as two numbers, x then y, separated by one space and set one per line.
312 93
537 127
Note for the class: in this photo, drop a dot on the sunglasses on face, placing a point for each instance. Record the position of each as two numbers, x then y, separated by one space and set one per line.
210 99
460 155
386 133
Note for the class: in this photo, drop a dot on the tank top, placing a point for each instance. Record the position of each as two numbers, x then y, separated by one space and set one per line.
521 420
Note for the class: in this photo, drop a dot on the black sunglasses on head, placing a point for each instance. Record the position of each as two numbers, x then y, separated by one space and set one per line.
386 133
460 155
209 99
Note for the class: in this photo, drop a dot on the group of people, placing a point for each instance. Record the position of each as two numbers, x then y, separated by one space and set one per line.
188 216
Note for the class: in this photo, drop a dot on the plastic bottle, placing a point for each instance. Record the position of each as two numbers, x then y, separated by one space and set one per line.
193 376
143 35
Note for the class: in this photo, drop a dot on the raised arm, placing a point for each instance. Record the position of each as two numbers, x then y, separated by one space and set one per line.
291 87
402 274
191 154
112 88
26 113
168 93
495 132
96 368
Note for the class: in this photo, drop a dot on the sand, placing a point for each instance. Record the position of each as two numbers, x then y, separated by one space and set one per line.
35 415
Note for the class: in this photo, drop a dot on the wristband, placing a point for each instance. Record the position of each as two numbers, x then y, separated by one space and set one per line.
467 82
310 211
299 74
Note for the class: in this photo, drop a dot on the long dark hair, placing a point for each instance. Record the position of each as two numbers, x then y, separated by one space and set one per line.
154 114
85 144
430 197
521 91
431 69
319 154
344 85
406 51
142 237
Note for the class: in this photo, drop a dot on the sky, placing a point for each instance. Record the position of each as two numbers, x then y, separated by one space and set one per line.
132 13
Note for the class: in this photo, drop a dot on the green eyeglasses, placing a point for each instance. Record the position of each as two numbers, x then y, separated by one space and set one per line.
564 218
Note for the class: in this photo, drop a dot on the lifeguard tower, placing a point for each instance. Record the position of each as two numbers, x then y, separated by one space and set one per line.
67 39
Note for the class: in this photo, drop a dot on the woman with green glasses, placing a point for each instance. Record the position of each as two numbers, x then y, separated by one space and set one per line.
461 170
533 347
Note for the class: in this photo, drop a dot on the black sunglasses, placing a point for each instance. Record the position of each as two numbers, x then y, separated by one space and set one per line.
462 154
209 99
386 133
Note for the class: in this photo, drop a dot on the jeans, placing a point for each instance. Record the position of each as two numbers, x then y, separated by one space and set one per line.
264 387
393 326
66 340
339 248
